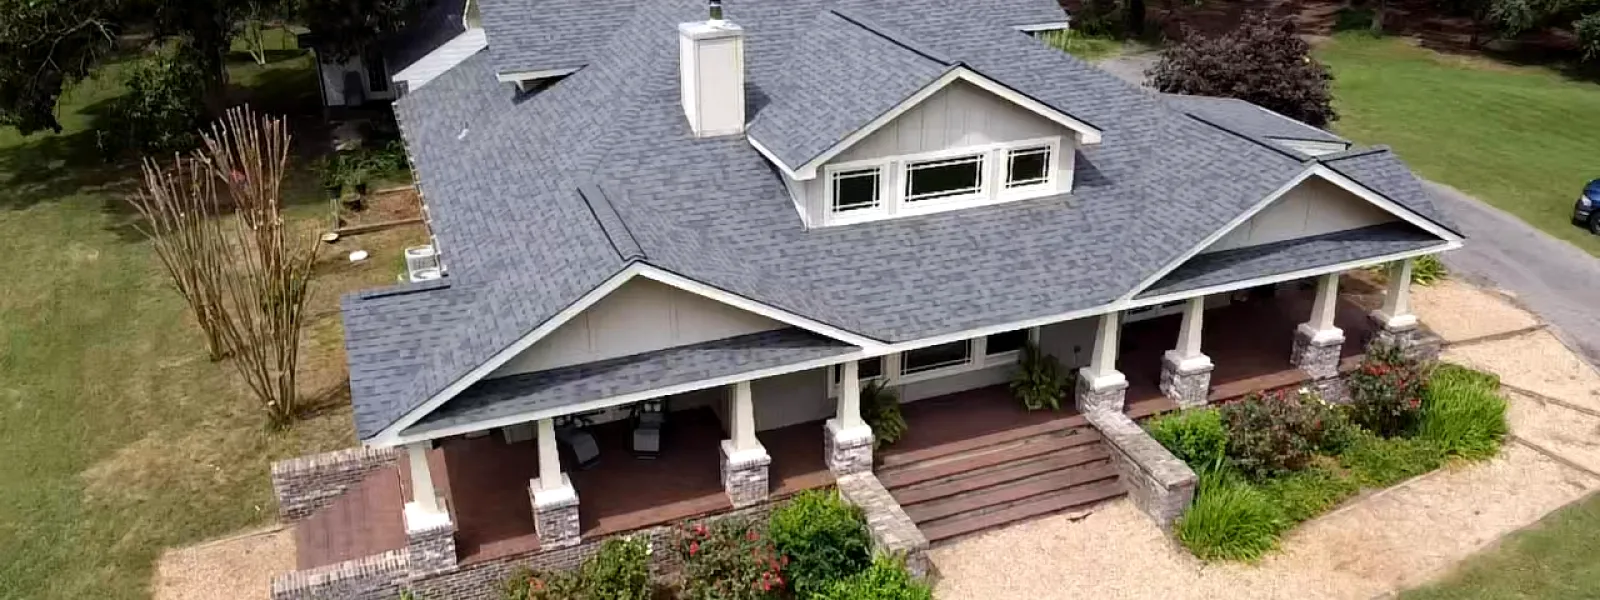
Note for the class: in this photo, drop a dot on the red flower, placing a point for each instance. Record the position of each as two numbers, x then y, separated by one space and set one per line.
693 548
751 535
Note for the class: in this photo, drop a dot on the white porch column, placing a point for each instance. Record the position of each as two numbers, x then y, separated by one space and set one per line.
423 496
550 476
1317 342
1100 385
850 395
555 501
847 440
745 461
1396 311
430 536
1185 371
1325 305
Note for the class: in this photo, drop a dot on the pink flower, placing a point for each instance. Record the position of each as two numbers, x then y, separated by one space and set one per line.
693 548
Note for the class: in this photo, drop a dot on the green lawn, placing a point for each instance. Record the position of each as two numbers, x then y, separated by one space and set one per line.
1558 559
1520 138
119 437
1089 47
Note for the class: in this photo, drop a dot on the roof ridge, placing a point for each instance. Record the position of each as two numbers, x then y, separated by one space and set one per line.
615 229
898 38
1352 153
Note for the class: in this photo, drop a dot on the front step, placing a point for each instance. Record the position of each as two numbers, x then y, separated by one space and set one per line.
977 484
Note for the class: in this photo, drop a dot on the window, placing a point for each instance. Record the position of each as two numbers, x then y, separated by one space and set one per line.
1027 166
936 357
867 369
377 71
1010 341
855 190
933 179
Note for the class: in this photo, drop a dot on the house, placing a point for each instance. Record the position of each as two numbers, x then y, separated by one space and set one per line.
739 218
445 33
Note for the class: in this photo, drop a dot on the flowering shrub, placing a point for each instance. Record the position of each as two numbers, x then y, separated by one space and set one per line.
823 537
730 559
1276 432
885 579
620 571
1386 392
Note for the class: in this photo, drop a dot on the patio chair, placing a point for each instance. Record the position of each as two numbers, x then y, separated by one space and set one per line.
570 432
648 417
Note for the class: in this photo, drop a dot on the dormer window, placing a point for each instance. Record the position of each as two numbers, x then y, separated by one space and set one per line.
1027 167
944 178
912 184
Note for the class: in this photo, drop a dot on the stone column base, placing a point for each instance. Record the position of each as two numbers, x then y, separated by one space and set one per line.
847 450
1108 392
430 541
1401 332
1187 381
1317 352
744 474
555 514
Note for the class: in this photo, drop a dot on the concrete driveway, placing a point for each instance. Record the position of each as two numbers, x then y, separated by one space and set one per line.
1551 278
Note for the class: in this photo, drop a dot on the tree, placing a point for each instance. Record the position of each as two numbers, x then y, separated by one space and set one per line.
179 206
1583 16
44 45
346 28
1262 61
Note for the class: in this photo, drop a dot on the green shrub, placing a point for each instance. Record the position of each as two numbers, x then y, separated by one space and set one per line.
1038 382
1428 270
1382 462
164 107
1307 493
1386 391
885 579
824 538
1277 432
1230 520
730 559
620 571
1463 413
1195 436
880 408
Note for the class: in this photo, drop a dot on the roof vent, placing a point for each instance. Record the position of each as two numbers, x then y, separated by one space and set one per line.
711 65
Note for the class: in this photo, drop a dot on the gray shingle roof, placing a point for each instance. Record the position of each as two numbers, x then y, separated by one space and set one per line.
504 176
1241 264
578 384
1249 119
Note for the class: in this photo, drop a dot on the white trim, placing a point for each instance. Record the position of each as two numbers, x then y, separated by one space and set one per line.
1294 275
1087 134
391 432
603 403
390 435
1040 27
521 76
894 175
748 305
1321 171
773 158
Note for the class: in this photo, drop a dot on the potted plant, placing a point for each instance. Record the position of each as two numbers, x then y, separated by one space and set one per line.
1038 383
880 408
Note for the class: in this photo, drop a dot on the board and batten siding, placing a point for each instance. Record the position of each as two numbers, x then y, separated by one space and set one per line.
1315 207
959 116
640 316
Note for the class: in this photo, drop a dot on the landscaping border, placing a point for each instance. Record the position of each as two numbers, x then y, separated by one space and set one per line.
1159 483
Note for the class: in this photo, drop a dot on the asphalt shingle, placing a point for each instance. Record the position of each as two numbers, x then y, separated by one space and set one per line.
503 174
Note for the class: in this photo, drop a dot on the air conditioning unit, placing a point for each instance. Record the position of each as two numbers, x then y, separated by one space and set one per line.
422 263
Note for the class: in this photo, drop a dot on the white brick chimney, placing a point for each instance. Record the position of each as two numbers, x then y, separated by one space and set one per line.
711 66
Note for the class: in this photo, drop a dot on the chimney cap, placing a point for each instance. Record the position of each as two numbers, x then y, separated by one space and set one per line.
714 10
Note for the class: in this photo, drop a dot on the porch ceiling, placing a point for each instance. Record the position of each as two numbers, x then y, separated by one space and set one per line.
586 383
1243 264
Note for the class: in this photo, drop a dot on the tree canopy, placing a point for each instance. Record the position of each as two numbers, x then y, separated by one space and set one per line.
1583 16
1262 61
45 44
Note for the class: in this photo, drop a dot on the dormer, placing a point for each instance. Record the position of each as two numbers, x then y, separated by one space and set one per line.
857 142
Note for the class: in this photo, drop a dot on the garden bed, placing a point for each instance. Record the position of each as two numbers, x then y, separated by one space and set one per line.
1269 462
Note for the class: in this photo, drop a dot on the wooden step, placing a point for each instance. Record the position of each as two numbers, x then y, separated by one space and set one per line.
903 477
1148 408
951 527
999 474
983 441
999 496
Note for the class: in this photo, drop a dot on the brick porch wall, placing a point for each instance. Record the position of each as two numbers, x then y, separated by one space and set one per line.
308 483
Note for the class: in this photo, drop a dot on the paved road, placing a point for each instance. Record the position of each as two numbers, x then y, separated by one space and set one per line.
1552 278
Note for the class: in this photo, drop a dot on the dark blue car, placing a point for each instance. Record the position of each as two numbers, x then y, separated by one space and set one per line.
1584 212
